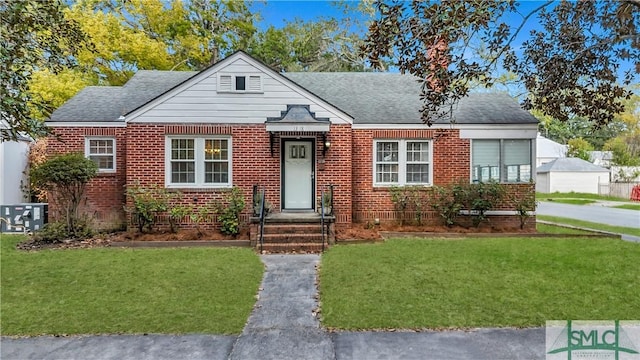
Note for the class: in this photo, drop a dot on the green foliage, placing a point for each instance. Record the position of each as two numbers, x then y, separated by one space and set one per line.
176 214
579 148
35 36
409 202
229 211
65 177
567 69
57 231
477 198
147 202
445 202
524 205
321 45
198 217
622 154
483 197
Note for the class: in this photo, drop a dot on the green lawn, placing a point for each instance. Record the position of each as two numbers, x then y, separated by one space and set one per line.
559 230
109 290
591 225
574 201
521 282
628 206
577 195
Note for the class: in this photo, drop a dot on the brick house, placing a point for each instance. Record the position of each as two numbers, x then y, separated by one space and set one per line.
239 123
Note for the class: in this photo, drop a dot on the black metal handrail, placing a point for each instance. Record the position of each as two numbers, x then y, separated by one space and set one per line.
262 216
322 216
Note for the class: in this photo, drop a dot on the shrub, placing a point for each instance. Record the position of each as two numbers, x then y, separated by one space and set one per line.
65 177
229 213
409 202
57 231
176 214
524 204
445 202
147 203
483 197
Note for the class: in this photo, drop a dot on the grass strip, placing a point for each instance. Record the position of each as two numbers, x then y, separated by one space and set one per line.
436 283
110 290
591 225
577 195
574 201
628 206
560 230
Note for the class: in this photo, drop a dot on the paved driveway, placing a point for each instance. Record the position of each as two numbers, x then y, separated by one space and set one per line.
593 213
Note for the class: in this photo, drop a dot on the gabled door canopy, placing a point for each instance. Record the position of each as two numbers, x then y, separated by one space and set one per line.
297 118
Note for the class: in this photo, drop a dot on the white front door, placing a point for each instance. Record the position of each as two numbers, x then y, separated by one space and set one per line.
298 175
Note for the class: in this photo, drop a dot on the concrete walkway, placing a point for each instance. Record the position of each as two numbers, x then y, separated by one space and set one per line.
283 326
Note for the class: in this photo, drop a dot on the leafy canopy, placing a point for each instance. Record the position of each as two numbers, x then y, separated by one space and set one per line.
570 67
34 35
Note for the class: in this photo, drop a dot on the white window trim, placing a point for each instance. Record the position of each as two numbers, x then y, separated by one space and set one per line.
503 172
87 149
402 162
246 84
199 161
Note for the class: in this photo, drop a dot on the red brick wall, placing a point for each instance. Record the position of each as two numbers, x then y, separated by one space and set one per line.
253 162
450 162
348 164
105 193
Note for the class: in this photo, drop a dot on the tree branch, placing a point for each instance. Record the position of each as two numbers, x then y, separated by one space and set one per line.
513 36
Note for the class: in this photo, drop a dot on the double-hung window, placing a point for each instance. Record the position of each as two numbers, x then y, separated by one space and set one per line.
402 162
507 160
198 161
102 151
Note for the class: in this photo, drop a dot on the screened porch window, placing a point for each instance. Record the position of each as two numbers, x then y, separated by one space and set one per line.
501 160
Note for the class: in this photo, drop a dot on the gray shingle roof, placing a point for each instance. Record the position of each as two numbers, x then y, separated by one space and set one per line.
108 103
370 98
569 165
378 98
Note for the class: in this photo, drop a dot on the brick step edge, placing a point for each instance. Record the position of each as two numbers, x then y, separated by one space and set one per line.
292 248
292 229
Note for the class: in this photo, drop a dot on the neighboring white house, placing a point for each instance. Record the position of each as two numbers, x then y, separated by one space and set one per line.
548 150
601 158
13 162
570 174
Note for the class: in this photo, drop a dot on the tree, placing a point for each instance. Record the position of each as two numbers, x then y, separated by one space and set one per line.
322 45
569 67
65 177
160 35
131 35
622 154
579 148
33 35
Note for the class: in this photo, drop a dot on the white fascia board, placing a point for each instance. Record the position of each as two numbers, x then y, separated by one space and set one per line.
500 132
462 127
85 124
306 127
